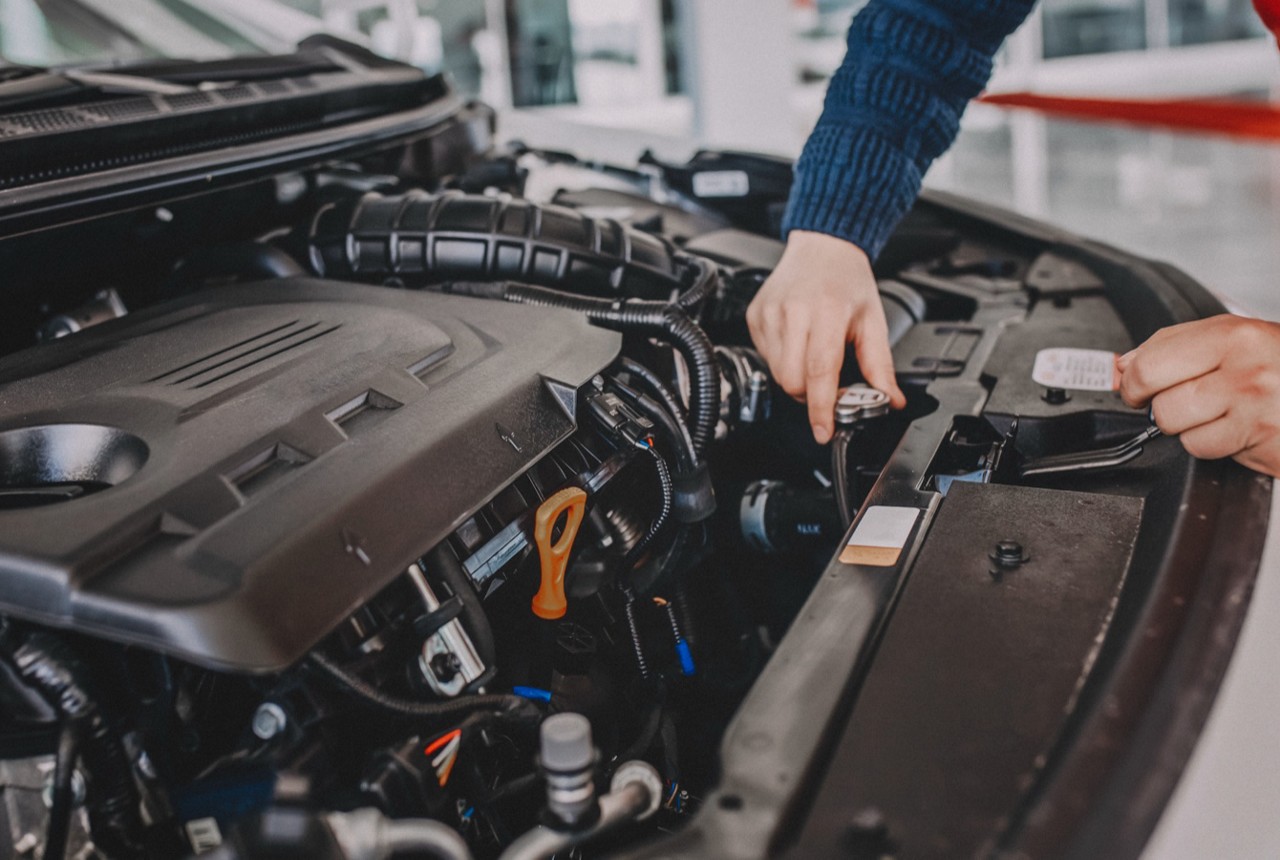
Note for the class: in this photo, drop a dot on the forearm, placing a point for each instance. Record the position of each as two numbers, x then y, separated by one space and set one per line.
894 106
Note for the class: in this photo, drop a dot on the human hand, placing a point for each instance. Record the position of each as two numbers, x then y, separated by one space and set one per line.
822 296
1216 384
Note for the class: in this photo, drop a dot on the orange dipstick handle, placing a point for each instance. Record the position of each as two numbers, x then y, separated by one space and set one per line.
549 602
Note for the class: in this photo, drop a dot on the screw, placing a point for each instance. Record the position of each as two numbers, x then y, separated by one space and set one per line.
1055 396
446 666
269 720
1007 555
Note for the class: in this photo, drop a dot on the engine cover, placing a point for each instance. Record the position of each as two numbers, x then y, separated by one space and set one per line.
228 476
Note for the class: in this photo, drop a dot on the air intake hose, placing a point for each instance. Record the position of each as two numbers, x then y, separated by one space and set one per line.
418 238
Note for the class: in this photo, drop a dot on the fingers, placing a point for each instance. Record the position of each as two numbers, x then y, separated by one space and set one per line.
824 356
1221 438
821 295
1190 404
788 359
1171 356
875 358
762 323
1264 457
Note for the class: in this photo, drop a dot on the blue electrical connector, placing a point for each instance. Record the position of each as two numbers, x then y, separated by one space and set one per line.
686 658
534 693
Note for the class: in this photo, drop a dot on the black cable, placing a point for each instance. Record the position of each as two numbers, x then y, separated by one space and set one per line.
659 522
660 319
409 708
648 732
658 388
519 785
840 474
684 611
647 577
633 628
706 279
63 795
675 433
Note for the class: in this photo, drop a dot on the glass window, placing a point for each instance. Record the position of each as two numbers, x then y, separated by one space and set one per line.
1075 27
821 28
1195 22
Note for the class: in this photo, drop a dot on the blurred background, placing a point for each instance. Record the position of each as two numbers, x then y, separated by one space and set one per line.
613 77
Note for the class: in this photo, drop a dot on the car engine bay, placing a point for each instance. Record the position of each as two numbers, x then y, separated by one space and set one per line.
400 504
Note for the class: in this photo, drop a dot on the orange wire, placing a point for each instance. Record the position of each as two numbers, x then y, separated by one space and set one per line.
448 769
442 740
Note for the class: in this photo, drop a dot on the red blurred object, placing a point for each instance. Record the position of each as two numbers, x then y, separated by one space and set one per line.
1269 12
1256 120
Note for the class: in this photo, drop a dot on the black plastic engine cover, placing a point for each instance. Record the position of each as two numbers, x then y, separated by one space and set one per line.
228 476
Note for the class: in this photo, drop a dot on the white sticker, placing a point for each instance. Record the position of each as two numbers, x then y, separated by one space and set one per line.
880 536
204 834
721 183
1079 369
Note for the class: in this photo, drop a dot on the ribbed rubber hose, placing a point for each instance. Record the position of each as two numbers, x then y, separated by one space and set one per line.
52 668
668 322
706 277
62 796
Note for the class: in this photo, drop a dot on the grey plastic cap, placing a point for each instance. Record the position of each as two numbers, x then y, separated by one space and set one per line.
566 743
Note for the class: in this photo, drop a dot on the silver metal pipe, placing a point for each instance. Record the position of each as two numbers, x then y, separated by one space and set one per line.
367 834
636 793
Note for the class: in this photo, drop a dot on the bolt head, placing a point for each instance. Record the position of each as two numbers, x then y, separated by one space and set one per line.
1009 549
269 720
446 666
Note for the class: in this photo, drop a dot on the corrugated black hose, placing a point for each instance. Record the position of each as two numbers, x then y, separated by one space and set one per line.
50 666
706 278
63 794
666 321
633 628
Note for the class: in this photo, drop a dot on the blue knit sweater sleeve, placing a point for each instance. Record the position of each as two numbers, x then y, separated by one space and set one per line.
894 106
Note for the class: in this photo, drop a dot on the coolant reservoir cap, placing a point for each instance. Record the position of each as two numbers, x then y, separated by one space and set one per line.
860 401
566 743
